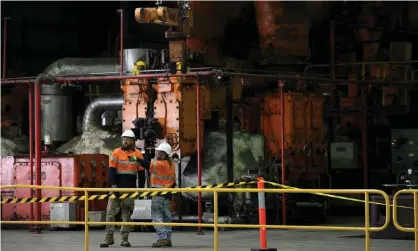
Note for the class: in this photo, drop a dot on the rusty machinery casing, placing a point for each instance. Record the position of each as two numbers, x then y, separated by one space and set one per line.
283 28
175 109
304 132
159 15
84 170
242 112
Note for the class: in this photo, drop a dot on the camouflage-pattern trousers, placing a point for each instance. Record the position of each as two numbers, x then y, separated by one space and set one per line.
160 212
126 206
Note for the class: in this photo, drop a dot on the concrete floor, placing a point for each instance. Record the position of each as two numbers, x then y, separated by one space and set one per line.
283 240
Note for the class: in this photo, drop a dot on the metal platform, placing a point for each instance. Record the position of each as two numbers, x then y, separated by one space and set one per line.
283 240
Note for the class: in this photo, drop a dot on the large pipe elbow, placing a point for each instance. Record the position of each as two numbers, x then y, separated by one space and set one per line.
95 109
84 66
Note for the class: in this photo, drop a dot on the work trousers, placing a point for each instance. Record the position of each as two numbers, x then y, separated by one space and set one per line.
126 206
160 212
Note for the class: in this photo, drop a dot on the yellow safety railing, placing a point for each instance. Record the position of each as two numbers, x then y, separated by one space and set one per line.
395 214
366 229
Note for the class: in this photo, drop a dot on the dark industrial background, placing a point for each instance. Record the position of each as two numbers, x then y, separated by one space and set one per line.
39 33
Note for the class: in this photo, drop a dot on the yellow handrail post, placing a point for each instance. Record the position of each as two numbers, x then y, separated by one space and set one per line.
367 221
395 214
395 211
215 222
86 220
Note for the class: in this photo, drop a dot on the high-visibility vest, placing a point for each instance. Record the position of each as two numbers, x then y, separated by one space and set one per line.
163 174
120 161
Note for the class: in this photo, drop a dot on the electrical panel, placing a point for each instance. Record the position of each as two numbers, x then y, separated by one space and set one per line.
344 155
404 149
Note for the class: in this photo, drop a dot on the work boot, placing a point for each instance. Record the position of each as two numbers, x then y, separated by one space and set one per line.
125 242
107 241
162 243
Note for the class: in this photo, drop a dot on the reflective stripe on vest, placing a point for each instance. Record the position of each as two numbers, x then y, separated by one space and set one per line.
126 172
158 186
114 159
120 161
124 162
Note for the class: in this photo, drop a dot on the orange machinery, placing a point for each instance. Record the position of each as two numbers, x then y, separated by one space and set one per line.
175 105
304 133
84 170
175 109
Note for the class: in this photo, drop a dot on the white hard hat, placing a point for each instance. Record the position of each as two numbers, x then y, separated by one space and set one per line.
165 147
129 134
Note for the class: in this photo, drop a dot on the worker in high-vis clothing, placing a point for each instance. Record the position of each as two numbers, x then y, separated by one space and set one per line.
163 175
123 172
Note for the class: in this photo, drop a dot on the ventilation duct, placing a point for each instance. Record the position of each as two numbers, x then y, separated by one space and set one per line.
92 115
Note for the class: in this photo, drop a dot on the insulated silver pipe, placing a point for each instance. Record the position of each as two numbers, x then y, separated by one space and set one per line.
93 112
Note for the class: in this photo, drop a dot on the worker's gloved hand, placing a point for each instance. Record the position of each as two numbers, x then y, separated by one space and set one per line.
115 193
133 158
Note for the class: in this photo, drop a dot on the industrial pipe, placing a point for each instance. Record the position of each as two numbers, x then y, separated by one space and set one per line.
30 107
364 142
4 46
89 77
120 11
38 140
82 66
199 160
229 141
332 70
62 69
118 78
332 61
281 86
341 81
62 79
96 108
308 67
68 66
375 28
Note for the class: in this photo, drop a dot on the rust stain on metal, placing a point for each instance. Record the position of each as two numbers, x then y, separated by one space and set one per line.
160 15
177 50
367 17
209 22
304 131
284 27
